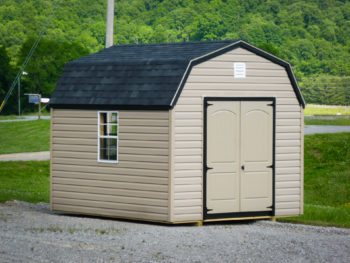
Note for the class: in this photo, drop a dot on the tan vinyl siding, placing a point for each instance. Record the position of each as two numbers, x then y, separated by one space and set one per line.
214 78
302 162
51 151
171 167
135 187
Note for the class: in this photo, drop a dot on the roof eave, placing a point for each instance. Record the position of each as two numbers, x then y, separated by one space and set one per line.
109 107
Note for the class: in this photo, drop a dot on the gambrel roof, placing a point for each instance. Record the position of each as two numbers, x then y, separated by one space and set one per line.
146 76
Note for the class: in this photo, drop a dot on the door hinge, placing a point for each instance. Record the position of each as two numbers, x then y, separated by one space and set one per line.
271 104
208 104
270 166
208 210
208 168
271 206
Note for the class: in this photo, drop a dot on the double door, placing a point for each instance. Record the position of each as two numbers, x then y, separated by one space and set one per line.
239 156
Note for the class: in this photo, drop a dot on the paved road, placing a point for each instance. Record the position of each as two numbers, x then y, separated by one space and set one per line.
32 156
27 118
314 129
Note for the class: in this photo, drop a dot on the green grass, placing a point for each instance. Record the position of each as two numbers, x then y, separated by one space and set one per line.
343 122
325 111
322 216
327 169
26 136
326 180
25 181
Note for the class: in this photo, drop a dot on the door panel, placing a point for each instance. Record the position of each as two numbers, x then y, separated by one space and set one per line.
256 155
256 191
239 151
222 156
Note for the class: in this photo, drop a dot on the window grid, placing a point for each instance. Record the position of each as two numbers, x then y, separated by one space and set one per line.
108 141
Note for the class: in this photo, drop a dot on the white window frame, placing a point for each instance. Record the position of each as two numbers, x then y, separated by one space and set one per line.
107 136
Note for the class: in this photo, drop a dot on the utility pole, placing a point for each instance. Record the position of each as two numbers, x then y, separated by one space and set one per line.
19 92
39 112
109 23
19 97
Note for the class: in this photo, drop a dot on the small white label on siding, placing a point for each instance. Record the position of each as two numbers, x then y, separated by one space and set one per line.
239 70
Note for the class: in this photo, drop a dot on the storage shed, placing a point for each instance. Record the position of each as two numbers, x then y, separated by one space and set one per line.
180 132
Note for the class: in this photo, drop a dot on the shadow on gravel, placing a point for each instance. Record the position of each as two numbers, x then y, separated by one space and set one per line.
160 224
45 209
233 222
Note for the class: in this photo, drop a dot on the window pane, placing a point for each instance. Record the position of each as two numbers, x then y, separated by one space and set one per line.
103 118
108 149
113 130
103 129
112 154
112 117
108 142
103 143
103 154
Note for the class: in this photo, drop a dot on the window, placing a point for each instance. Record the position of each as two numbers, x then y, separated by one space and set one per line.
108 136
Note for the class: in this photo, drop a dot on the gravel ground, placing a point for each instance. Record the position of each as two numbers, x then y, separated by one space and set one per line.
31 233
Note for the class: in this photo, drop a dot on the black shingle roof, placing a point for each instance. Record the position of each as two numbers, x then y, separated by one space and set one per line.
133 76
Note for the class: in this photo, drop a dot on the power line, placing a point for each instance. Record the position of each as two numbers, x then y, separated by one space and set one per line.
30 54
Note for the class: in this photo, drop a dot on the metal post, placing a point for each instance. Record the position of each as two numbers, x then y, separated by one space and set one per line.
39 107
109 23
19 96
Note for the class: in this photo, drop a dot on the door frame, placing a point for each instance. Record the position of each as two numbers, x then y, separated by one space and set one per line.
237 214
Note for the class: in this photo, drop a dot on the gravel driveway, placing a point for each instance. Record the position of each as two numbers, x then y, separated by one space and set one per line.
31 233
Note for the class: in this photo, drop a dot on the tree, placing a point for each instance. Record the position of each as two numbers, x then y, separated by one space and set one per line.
5 70
208 27
6 78
47 62
269 47
327 90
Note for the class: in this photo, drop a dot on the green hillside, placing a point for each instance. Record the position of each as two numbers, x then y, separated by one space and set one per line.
314 36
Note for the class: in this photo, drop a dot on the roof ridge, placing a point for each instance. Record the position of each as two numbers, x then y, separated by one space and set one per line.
129 61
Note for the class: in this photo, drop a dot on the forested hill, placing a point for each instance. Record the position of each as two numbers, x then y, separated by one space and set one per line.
313 35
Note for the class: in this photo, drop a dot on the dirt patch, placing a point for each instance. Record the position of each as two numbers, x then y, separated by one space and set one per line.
317 153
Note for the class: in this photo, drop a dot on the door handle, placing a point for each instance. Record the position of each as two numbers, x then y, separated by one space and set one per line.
242 167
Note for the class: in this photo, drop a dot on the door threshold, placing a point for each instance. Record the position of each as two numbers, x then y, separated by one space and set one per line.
238 218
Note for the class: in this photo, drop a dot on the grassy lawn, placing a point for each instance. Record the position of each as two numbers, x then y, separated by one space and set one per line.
325 111
26 181
26 136
327 180
327 122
